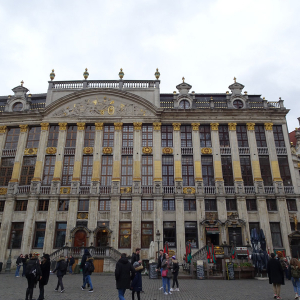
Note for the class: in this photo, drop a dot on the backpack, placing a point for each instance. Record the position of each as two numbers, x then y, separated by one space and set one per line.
90 267
31 270
295 272
63 266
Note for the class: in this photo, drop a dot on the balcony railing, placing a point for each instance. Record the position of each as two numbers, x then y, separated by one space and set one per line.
187 150
147 189
269 190
262 150
244 150
249 189
45 190
105 189
225 150
69 150
210 190
281 150
24 189
9 152
289 189
84 190
229 189
127 150
103 84
169 189
60 85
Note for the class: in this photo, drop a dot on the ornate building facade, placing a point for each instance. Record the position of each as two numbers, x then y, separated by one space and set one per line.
111 163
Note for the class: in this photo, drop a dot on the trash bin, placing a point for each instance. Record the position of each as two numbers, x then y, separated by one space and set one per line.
1 264
152 271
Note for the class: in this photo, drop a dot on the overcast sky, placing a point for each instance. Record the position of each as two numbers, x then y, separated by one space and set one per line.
206 41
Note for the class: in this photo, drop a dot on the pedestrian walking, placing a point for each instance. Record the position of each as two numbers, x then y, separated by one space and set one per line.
45 268
161 257
33 273
88 269
24 261
283 262
175 271
19 264
136 256
276 275
61 269
85 255
294 274
71 262
136 284
123 273
167 274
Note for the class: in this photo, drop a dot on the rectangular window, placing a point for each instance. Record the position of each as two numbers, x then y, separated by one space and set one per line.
291 204
21 205
246 170
147 234
43 205
241 133
168 170
104 205
207 170
271 204
227 171
63 205
106 170
53 136
39 235
108 136
18 228
127 170
67 173
278 136
33 137
265 170
147 136
125 235
211 205
48 169
231 205
71 136
27 170
187 170
12 138
83 205
253 225
191 234
276 234
167 136
6 169
147 205
260 136
224 136
251 204
89 136
126 205
189 205
284 170
147 170
87 170
186 136
127 136
170 233
2 204
168 204
60 234
205 136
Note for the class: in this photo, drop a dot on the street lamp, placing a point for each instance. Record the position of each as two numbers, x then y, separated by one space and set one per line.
158 241
8 263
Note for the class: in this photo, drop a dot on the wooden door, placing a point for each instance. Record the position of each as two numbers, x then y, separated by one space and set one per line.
98 263
102 238
80 238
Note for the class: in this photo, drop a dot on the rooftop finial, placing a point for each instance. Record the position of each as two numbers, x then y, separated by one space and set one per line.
121 74
183 79
234 79
86 74
157 74
22 82
52 75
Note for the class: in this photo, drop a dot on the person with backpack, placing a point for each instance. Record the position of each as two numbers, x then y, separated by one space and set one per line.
45 268
19 264
33 273
85 255
24 261
61 268
294 272
71 262
136 284
89 268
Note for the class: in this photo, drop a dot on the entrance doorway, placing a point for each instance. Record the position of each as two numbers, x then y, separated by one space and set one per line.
80 238
295 248
237 232
102 238
212 236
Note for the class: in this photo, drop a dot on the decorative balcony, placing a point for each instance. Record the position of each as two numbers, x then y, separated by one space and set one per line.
9 152
84 190
281 151
269 190
244 150
147 189
249 189
289 189
69 150
105 189
225 150
262 150
229 189
186 150
45 190
211 190
169 189
127 150
24 189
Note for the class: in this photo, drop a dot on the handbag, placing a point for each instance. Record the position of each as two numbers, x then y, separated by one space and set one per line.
164 273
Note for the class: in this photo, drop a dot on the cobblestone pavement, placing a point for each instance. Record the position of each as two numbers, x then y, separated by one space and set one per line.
12 288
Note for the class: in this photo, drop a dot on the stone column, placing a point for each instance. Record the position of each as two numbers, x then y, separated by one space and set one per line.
116 178
137 156
136 222
158 220
200 206
72 215
243 215
236 165
157 163
177 157
114 220
3 132
93 216
13 183
197 155
222 216
264 220
180 226
55 186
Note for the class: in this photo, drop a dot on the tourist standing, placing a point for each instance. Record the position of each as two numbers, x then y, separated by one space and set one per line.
294 274
33 274
24 260
85 255
123 276
161 257
136 256
87 272
45 268
166 274
276 276
19 264
61 268
136 284
71 262
175 274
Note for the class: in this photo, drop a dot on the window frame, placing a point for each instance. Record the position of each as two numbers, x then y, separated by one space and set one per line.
167 136
21 205
187 169
67 172
168 170
190 205
192 232
71 136
17 230
171 238
108 135
89 136
147 205
207 165
34 241
291 204
231 205
105 203
246 170
121 245
83 205
276 232
227 171
33 137
106 170
147 170
6 171
27 170
86 170
271 205
125 204
210 205
169 205
53 136
127 170
260 136
146 244
186 136
284 168
205 136
251 204
43 205
49 166
278 136
127 136
224 139
147 135
265 169
63 205
13 133
57 230
242 136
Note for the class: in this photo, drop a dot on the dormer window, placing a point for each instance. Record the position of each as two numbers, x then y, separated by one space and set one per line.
238 104
18 106
184 104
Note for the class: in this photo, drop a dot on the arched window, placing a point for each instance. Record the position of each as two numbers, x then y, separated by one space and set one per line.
18 106
238 104
184 104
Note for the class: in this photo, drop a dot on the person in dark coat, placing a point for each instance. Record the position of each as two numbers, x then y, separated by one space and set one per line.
24 260
61 268
19 264
71 262
136 284
175 271
85 255
33 274
136 256
45 268
87 272
123 276
161 258
276 275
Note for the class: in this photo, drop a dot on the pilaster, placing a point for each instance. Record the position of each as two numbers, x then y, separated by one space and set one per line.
114 219
200 206
137 156
158 219
243 215
197 154
136 222
180 226
177 157
116 178
93 215
157 163
72 215
264 220
3 133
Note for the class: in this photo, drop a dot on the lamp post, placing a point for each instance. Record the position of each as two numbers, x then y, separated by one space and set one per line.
8 263
158 241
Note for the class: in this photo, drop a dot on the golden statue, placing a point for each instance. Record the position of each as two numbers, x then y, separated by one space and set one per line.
296 222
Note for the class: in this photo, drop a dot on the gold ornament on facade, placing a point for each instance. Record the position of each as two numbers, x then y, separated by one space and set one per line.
238 179
44 126
277 179
36 179
269 126
2 129
107 150
250 126
167 150
232 126
118 126
3 191
195 126
125 190
30 151
157 74
298 165
24 128
137 125
88 150
83 215
189 190
99 126
147 150
206 151
80 126
214 126
176 126
51 150
62 126
65 190
111 110
156 125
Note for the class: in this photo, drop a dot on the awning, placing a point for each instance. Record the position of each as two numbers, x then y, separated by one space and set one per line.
212 230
